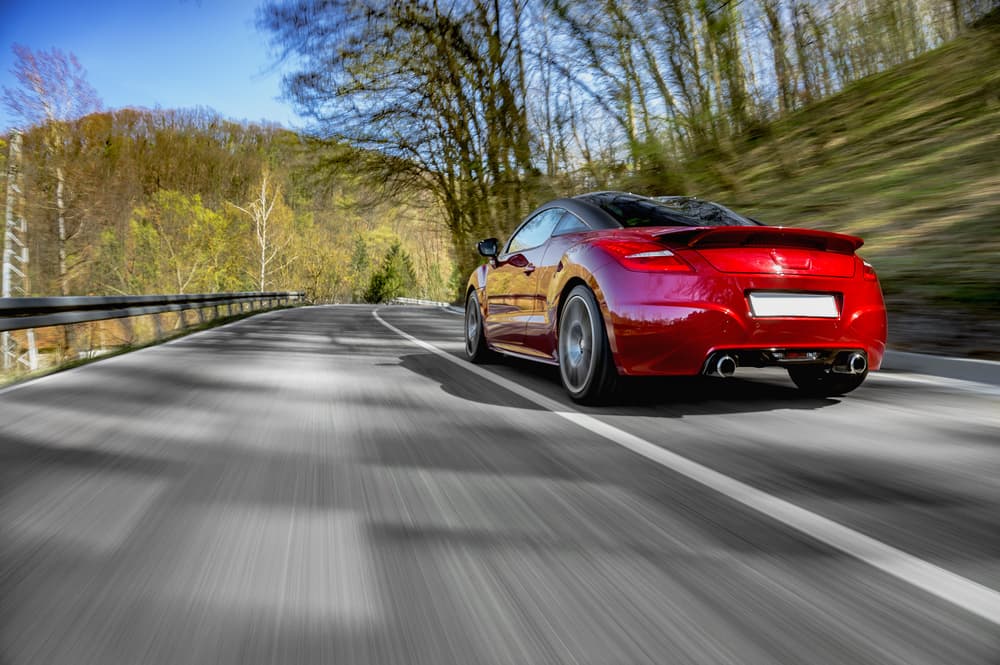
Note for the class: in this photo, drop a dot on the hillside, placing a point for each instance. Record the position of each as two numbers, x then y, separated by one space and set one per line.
909 160
160 201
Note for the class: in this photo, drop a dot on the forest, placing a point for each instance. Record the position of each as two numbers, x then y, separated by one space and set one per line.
435 124
137 201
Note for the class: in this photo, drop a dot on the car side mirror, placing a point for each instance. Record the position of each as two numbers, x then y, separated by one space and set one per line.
489 247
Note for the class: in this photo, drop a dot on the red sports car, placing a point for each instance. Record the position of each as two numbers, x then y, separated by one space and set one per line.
612 284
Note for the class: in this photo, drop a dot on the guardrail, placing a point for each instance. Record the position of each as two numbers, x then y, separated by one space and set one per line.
60 339
417 301
21 313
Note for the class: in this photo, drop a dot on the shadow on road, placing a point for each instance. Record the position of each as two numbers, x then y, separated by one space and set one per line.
671 397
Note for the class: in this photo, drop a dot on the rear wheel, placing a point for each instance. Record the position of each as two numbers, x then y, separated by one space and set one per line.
585 363
476 349
823 382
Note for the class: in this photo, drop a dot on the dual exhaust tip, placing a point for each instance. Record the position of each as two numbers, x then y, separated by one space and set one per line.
725 365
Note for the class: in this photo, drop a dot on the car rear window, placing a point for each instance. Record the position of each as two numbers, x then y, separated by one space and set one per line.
632 211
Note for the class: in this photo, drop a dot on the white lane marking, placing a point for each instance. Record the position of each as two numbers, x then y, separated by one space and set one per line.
963 592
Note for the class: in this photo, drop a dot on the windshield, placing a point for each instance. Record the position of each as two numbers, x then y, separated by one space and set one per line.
630 210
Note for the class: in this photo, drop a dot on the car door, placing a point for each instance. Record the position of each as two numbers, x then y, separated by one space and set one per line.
539 330
511 285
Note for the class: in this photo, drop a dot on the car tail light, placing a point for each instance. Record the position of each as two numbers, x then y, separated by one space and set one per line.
646 257
870 275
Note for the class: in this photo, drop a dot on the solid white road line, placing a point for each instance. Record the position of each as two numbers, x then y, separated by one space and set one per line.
965 593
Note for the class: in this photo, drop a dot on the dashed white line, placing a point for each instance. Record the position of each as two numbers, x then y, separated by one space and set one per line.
960 591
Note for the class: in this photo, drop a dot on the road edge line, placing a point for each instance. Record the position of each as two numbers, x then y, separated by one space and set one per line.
975 370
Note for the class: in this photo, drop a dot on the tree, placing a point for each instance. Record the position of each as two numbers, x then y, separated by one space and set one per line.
394 279
176 245
360 268
434 93
270 237
53 87
52 91
319 267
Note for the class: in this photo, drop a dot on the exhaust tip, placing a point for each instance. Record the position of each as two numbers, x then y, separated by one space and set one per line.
857 363
854 363
725 366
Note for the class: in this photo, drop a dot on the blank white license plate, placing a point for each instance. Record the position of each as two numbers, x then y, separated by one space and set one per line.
772 303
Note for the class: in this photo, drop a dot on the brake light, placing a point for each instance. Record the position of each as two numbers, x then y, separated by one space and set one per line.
869 273
646 257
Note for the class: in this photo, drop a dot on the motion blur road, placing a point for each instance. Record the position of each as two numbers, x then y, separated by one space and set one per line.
307 486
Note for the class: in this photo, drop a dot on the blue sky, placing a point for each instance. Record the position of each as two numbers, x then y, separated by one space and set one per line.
167 53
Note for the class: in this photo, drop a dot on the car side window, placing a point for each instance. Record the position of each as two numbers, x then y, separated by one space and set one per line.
569 223
535 231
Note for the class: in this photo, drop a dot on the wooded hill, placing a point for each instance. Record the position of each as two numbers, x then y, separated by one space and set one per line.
164 202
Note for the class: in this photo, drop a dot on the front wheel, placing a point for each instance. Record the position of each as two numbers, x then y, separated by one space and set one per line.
823 382
476 349
585 363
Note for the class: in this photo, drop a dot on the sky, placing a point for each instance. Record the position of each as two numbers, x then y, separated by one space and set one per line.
156 53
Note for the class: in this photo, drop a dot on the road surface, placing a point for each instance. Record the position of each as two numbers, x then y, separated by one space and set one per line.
311 486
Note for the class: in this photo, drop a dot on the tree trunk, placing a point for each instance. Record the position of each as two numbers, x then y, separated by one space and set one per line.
782 67
822 53
263 258
61 210
802 54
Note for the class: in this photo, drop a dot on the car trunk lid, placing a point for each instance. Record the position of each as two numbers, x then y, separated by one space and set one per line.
770 249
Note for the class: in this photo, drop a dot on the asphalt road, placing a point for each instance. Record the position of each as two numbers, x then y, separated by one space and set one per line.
307 486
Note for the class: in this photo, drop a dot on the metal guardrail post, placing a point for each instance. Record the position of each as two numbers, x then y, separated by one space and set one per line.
157 326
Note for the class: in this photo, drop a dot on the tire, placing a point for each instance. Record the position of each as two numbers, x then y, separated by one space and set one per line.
822 382
585 364
476 349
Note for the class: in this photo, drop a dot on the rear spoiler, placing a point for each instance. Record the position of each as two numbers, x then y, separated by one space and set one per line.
760 236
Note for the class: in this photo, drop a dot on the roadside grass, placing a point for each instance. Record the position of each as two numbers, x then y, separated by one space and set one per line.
908 159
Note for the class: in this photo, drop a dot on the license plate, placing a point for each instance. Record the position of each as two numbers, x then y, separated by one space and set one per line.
772 303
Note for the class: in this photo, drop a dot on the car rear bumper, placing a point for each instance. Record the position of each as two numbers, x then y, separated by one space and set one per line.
683 320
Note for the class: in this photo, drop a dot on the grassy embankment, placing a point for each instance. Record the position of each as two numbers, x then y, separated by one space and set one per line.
909 160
